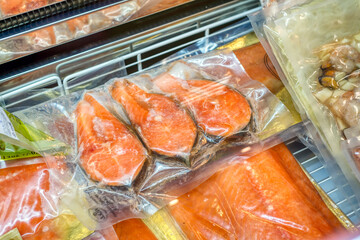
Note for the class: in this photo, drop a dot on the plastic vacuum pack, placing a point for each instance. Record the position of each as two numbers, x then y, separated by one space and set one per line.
75 28
317 65
240 38
15 7
176 131
267 196
30 211
28 207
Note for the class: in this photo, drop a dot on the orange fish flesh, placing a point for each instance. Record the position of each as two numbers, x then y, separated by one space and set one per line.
218 109
109 152
165 127
255 199
133 229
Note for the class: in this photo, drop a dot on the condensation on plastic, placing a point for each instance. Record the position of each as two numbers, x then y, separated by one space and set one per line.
283 30
101 193
27 204
267 196
75 28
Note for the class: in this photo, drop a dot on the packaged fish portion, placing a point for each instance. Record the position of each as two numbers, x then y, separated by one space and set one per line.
27 206
241 39
15 7
137 143
321 75
75 28
267 196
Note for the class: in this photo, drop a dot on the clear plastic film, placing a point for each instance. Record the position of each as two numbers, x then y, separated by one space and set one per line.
139 142
317 64
240 38
351 147
267 196
72 29
28 206
15 7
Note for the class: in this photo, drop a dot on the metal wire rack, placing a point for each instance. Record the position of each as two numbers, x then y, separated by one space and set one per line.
145 51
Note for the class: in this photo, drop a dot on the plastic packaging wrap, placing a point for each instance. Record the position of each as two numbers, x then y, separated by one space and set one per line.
240 38
313 62
15 7
15 132
27 205
75 28
104 234
268 196
352 150
11 152
119 163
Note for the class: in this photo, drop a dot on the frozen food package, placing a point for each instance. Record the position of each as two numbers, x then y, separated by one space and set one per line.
317 64
138 142
61 32
15 7
27 206
267 196
240 38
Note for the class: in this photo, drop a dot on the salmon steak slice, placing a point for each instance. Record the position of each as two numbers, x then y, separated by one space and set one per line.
109 152
218 110
165 127
257 198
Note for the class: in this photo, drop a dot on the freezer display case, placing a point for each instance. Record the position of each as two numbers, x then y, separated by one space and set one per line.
150 35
